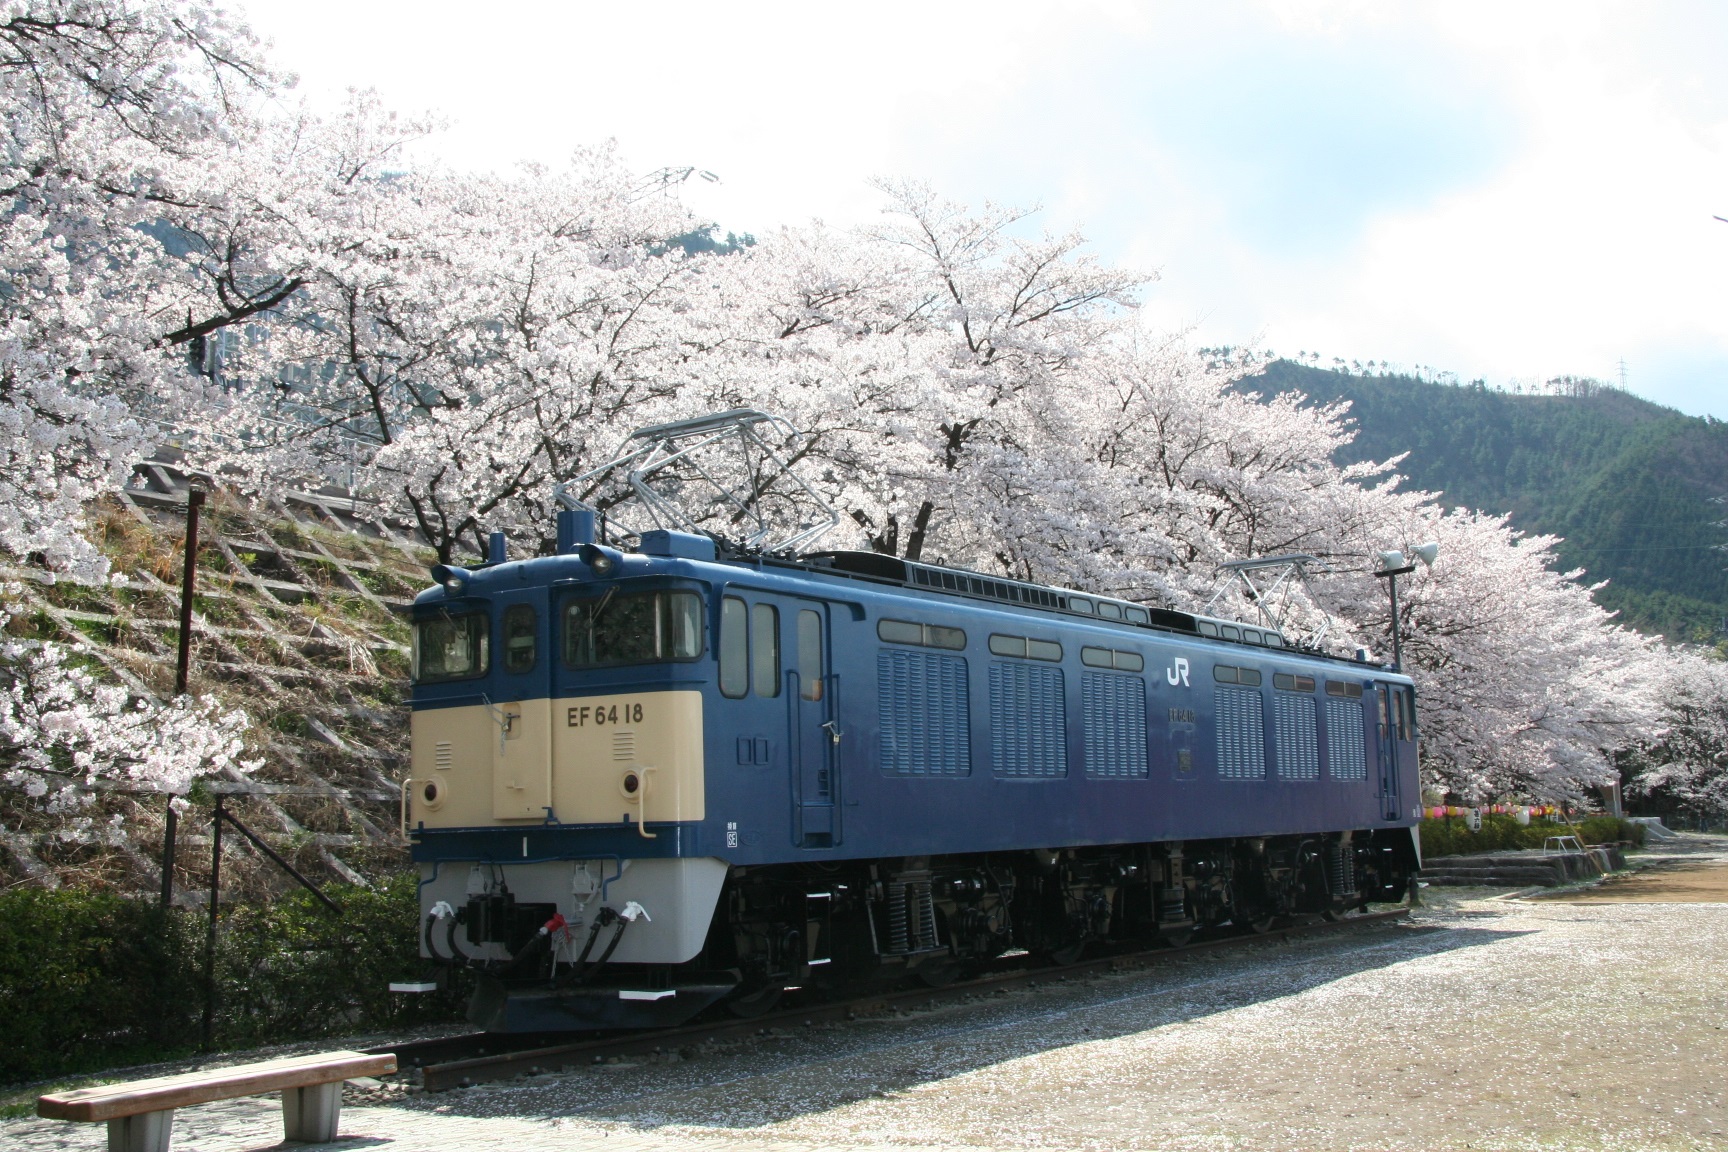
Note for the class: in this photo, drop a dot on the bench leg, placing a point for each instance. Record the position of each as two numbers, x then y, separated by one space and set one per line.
310 1114
145 1132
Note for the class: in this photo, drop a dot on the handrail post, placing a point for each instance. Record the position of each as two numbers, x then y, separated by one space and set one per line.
170 825
210 937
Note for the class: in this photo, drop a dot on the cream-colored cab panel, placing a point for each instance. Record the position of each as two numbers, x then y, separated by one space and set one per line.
451 753
521 759
632 756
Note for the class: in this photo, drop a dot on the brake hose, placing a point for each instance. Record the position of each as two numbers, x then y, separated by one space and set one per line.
601 919
611 947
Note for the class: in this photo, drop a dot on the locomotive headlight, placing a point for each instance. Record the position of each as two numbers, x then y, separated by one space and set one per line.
601 561
455 580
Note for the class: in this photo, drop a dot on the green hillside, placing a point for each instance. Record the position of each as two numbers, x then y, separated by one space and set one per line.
1629 484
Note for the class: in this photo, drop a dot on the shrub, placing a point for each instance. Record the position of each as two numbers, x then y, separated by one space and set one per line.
91 978
1501 833
291 970
94 980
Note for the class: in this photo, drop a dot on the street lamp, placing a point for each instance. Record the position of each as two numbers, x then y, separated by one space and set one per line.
1393 565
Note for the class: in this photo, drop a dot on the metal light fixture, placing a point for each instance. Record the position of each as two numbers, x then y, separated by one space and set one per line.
601 561
455 580
1393 565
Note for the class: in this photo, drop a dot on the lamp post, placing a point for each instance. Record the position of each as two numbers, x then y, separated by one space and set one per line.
1393 565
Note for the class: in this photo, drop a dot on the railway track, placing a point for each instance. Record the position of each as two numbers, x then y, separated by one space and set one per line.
461 1061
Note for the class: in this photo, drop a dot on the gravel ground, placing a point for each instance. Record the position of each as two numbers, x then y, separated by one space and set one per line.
1488 1023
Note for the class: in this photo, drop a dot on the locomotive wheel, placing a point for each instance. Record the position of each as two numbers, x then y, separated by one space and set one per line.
939 975
747 1005
1261 926
1068 955
1176 937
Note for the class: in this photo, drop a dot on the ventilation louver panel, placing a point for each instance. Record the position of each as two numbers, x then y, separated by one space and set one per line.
924 714
1241 734
1028 721
1346 747
1298 738
1115 708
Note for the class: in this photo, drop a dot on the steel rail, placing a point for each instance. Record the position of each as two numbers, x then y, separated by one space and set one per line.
440 1073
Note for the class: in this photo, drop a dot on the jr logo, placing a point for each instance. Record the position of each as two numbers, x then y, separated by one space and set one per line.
1177 673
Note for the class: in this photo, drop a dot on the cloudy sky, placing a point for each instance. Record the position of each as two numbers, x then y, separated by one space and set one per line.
1504 191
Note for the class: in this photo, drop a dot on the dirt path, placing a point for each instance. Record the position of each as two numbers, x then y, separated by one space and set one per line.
1675 881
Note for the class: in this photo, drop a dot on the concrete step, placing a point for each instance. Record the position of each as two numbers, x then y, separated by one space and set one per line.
1522 869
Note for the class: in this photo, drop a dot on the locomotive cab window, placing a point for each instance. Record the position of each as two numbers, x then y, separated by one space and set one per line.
452 648
519 639
632 628
765 649
810 655
734 648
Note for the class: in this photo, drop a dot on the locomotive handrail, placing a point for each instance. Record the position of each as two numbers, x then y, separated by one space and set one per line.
642 803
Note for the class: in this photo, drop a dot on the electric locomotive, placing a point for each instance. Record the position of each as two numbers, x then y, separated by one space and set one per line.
647 781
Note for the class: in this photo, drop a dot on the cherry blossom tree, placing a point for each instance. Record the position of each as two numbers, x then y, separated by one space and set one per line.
1526 685
119 118
115 112
66 736
1686 765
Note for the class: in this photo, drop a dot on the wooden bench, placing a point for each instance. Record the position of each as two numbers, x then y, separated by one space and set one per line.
140 1114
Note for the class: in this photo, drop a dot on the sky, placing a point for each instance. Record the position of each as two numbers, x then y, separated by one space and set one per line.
1506 192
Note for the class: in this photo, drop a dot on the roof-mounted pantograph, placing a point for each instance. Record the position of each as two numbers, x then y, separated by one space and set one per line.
728 474
1272 602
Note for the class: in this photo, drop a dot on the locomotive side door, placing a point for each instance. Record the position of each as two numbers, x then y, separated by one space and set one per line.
814 742
521 719
1392 725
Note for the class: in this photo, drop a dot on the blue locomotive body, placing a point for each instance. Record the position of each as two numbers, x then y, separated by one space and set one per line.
677 777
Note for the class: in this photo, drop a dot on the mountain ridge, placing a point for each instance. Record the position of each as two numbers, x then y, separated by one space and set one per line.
1634 489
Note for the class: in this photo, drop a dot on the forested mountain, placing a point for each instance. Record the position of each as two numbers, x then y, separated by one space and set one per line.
1630 484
